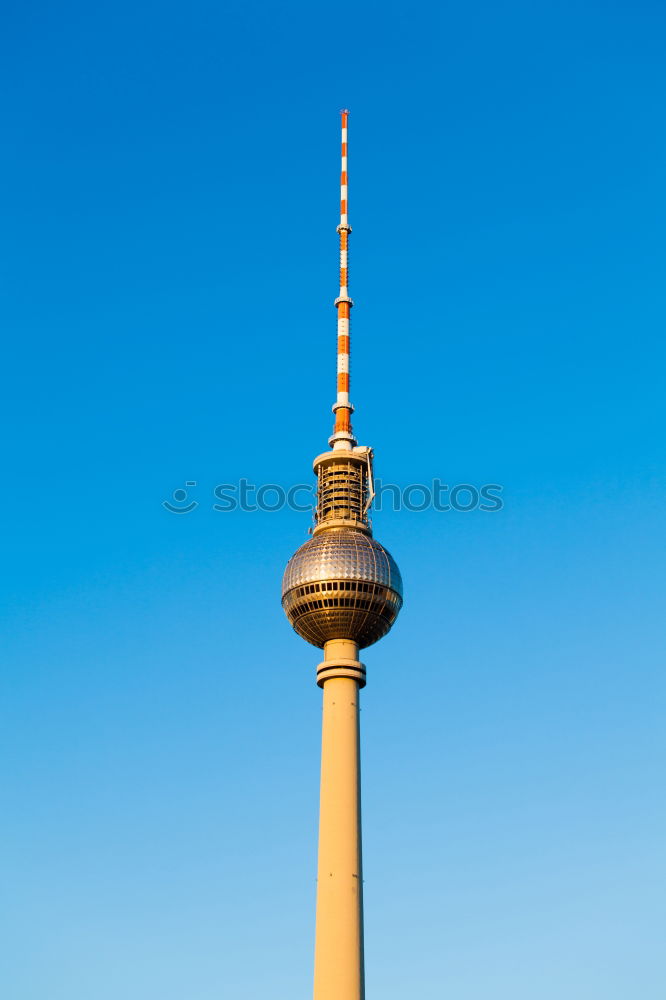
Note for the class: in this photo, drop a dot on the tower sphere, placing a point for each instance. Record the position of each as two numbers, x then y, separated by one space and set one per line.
342 584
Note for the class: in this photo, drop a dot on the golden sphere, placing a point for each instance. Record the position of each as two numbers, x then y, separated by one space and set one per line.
342 584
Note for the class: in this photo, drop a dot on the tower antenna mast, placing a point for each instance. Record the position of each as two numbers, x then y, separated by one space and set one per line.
342 434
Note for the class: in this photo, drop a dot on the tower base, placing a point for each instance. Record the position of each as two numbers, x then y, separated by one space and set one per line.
339 971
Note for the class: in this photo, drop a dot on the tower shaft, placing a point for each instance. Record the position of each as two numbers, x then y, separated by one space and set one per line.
339 931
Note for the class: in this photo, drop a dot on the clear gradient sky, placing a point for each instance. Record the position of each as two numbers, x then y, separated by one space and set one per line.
169 264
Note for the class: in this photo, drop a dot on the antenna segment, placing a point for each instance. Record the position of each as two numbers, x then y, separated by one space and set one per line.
342 433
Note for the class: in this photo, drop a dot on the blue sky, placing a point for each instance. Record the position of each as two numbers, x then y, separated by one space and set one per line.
168 271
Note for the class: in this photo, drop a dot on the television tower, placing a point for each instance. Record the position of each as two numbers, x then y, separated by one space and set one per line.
341 591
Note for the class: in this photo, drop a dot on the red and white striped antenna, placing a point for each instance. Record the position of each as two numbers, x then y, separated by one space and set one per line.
342 433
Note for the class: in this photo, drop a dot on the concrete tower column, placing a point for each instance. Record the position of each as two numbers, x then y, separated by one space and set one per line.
339 973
